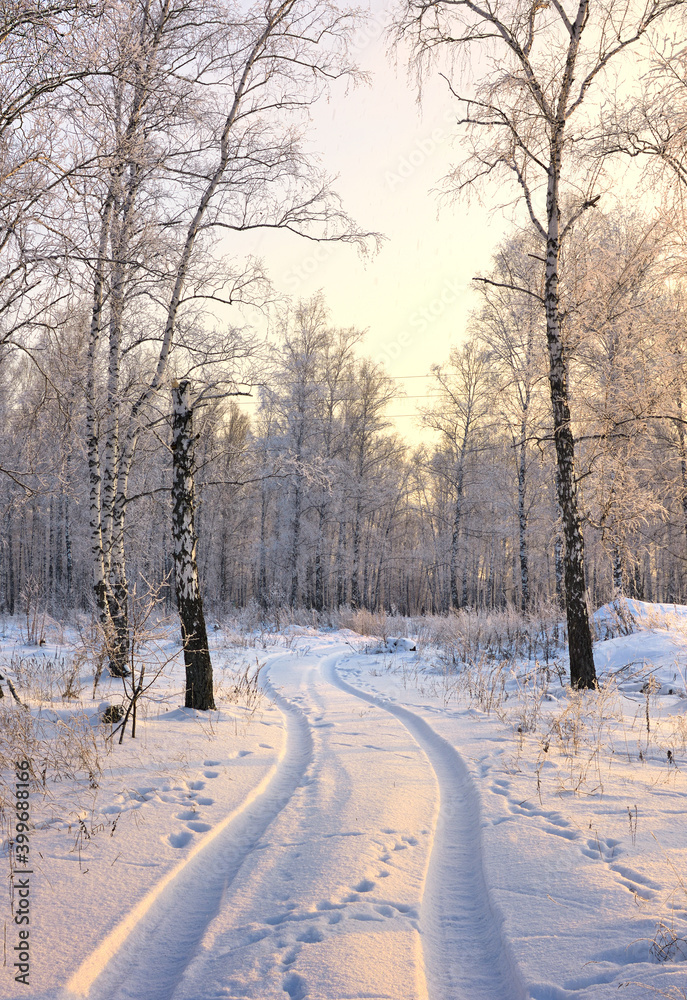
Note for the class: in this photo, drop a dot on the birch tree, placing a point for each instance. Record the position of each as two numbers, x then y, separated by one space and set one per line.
336 377
458 413
48 47
199 686
508 326
615 258
672 432
297 397
201 160
133 122
369 453
533 117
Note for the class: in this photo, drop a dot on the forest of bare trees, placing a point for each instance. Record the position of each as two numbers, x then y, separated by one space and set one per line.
137 136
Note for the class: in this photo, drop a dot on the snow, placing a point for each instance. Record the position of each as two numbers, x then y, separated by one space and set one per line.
375 825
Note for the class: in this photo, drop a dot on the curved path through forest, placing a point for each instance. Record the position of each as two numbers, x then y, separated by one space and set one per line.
353 870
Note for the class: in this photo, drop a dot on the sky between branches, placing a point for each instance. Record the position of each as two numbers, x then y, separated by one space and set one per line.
390 154
413 296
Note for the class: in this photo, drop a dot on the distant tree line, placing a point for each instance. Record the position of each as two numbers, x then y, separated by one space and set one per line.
315 501
140 139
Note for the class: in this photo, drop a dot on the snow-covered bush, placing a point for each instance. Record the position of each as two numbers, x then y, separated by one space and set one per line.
507 633
59 745
43 677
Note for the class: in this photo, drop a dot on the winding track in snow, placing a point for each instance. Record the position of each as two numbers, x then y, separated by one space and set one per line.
466 956
147 952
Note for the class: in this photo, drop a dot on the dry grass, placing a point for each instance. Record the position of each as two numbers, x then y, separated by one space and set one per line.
463 636
43 678
240 685
60 749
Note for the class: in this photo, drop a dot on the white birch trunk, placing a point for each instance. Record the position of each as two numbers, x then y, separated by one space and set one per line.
683 460
522 515
582 672
199 682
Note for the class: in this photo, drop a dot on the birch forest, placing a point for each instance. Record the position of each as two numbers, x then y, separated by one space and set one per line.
141 139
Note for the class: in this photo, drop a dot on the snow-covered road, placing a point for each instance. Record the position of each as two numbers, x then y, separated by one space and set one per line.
353 870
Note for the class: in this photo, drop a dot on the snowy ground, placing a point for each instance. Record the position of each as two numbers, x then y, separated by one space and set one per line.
377 825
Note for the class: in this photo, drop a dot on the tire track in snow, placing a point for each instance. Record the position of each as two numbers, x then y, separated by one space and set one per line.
465 954
147 952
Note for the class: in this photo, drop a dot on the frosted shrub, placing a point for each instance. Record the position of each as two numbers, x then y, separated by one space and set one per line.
507 633
364 622
59 748
531 690
42 678
484 682
584 732
241 685
617 619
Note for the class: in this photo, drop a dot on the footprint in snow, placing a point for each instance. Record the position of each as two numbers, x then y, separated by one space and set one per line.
523 808
196 785
180 839
601 848
555 818
632 876
211 774
266 746
211 763
560 832
198 827
311 935
295 986
187 814
365 885
203 800
256 935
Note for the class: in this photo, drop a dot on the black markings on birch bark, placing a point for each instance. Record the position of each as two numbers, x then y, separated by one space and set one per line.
107 491
582 671
455 534
682 448
199 684
522 514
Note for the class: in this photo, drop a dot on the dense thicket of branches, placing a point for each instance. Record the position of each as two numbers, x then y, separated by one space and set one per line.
134 137
140 135
314 501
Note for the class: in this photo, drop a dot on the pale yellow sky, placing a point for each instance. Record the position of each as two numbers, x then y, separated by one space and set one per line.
414 296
